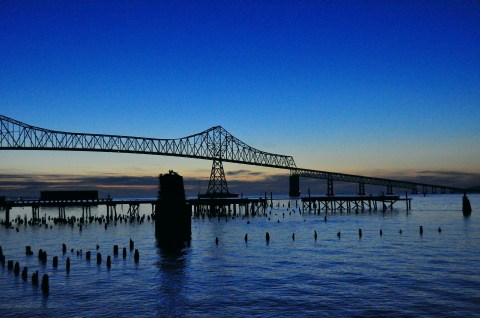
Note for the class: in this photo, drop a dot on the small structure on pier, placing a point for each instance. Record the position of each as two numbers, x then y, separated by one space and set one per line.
68 195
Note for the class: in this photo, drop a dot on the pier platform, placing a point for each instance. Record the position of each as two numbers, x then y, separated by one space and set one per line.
352 203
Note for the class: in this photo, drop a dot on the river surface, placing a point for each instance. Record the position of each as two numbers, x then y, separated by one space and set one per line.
395 274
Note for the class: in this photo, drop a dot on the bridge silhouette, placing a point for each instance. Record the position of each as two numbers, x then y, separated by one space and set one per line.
215 144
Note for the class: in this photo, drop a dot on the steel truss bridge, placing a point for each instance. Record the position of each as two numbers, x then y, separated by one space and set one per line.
215 144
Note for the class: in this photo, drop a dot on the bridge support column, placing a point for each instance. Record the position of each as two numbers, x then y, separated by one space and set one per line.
424 190
361 188
7 215
35 213
390 190
294 185
173 216
330 191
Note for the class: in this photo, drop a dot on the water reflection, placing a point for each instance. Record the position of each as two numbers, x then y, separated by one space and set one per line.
172 266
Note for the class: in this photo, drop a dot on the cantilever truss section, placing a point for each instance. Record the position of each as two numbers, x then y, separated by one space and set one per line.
215 143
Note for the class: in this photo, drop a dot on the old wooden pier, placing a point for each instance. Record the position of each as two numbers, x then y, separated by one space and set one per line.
352 203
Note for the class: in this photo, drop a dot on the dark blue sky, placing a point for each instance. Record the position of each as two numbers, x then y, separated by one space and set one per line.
383 88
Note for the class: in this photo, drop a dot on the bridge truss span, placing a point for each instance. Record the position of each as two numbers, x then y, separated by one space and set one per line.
362 180
215 143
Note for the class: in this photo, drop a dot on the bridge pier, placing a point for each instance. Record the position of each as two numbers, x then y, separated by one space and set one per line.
389 190
7 215
86 210
61 212
361 188
330 191
35 213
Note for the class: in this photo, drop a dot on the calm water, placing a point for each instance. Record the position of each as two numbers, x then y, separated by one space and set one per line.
394 274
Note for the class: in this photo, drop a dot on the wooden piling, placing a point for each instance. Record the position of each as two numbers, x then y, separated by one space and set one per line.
16 269
45 284
35 278
24 274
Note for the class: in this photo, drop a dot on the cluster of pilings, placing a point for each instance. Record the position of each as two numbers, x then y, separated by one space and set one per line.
42 257
212 207
81 222
62 205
